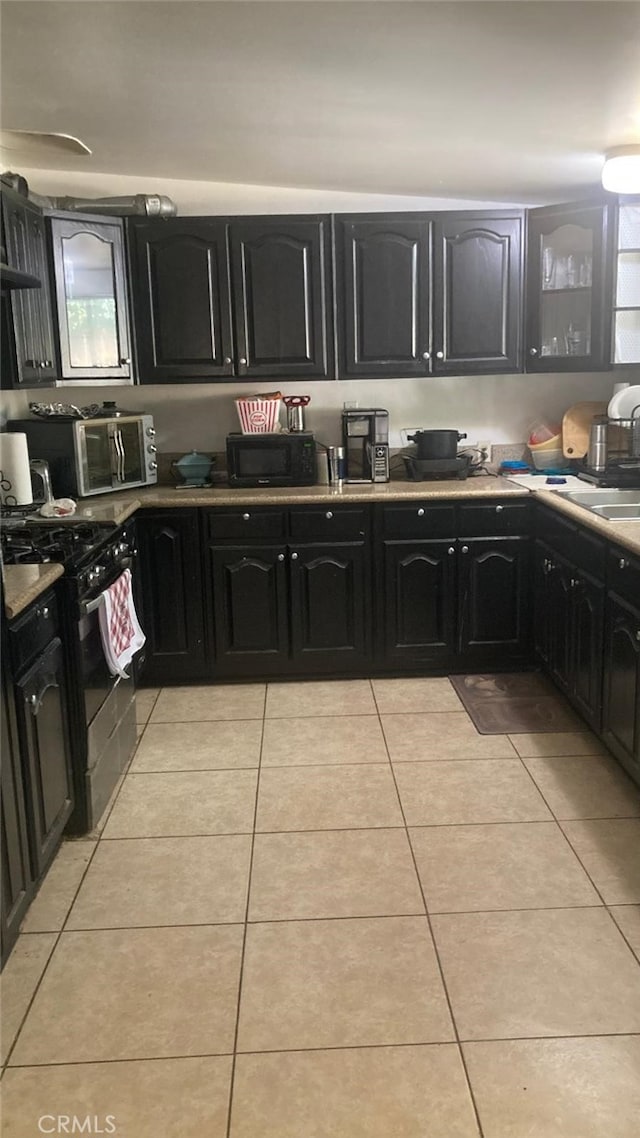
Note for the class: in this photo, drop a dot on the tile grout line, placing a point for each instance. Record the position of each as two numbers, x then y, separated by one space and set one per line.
232 1077
62 928
461 1055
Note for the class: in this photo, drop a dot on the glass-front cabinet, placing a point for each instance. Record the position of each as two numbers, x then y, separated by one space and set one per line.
626 305
91 295
568 285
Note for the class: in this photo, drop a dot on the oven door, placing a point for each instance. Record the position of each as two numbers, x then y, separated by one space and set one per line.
110 454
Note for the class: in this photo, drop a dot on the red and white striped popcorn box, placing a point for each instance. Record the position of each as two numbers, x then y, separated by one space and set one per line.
258 416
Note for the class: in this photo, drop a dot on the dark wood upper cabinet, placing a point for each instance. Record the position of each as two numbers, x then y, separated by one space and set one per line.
569 288
28 353
477 294
421 294
383 285
181 299
281 273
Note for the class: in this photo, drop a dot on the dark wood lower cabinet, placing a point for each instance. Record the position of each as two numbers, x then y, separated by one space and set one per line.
285 609
494 596
419 601
170 589
17 879
568 621
621 712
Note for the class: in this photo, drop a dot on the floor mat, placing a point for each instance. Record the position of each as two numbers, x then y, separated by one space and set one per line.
524 702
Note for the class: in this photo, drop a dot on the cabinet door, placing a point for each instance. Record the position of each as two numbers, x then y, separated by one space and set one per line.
249 590
569 289
31 317
181 299
171 587
561 619
542 616
14 845
91 295
43 729
383 289
494 606
420 601
330 603
281 269
588 616
621 711
478 295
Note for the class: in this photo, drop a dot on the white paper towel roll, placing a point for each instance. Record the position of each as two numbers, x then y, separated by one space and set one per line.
15 476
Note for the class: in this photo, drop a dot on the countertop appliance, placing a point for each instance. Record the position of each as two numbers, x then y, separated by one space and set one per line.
278 459
365 438
101 706
428 469
437 445
93 456
619 455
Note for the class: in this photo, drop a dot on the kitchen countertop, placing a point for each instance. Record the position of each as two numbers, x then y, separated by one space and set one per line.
23 584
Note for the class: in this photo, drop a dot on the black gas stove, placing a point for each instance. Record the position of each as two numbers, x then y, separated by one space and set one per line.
91 553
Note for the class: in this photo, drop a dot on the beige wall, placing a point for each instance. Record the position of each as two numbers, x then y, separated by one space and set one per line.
499 408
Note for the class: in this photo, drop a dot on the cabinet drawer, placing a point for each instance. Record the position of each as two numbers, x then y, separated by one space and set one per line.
555 530
623 575
420 519
32 631
328 523
494 519
246 523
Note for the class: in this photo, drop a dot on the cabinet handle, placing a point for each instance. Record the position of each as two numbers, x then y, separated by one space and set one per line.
465 549
245 517
35 701
574 582
329 514
421 512
440 355
499 509
451 550
294 556
623 563
281 557
426 355
228 360
44 613
533 351
242 360
125 360
638 634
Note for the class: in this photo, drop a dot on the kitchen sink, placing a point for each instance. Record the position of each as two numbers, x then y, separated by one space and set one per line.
613 505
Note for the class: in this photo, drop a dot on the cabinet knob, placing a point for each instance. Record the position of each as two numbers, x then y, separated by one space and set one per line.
245 517
44 613
281 557
125 360
227 360
294 556
329 514
533 351
440 355
638 634
33 699
465 549
426 355
499 509
421 512
623 563
242 360
451 550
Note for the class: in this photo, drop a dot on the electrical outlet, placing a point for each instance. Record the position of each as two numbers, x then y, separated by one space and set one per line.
485 448
350 404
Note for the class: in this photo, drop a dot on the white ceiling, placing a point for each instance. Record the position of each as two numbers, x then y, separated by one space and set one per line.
505 101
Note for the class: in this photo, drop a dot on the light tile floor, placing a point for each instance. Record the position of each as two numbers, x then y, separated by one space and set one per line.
331 910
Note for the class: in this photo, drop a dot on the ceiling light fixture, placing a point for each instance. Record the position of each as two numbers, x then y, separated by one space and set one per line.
621 170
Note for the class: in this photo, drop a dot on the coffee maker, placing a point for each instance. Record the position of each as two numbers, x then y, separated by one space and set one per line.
365 438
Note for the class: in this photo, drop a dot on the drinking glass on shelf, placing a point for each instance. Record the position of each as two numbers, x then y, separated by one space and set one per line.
585 270
548 265
561 273
572 271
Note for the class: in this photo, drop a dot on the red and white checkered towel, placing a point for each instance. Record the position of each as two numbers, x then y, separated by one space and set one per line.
120 630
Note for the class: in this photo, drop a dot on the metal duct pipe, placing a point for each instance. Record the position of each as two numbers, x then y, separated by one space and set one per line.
145 205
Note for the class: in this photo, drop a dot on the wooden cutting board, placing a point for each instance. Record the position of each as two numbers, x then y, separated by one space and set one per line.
576 425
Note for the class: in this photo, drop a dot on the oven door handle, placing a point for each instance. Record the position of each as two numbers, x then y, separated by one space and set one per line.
91 606
119 441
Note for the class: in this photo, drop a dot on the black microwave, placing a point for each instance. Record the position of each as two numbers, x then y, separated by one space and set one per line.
286 459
